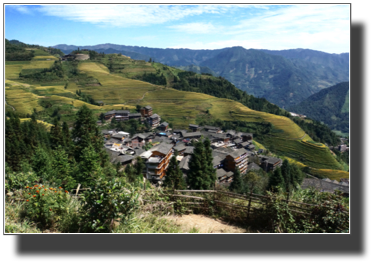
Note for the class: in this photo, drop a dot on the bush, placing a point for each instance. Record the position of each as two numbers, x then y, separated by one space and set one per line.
106 203
16 181
44 205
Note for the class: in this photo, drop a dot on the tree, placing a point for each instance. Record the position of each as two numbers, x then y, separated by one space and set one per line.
61 168
174 175
201 175
208 165
130 173
89 170
85 133
196 168
237 184
56 137
139 166
41 162
276 180
138 108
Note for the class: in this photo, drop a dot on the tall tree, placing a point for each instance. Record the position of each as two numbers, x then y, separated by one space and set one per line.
174 175
62 169
237 184
196 168
85 133
276 180
56 137
208 165
41 162
89 169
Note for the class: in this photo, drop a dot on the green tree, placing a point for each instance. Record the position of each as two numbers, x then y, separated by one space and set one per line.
85 133
41 162
139 166
276 180
62 169
174 175
56 137
237 183
89 169
196 168
208 165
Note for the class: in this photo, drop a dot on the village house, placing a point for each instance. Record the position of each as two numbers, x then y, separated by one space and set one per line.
163 126
154 121
136 116
246 136
194 127
269 163
237 158
212 128
158 162
146 111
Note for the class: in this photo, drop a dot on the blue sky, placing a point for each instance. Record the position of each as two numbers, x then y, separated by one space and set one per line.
319 27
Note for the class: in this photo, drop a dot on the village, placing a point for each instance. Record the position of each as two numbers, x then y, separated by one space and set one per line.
230 149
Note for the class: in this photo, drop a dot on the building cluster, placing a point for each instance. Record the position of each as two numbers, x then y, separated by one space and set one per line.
297 115
146 114
230 149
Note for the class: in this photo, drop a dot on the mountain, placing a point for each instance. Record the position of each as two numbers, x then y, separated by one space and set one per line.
285 78
197 69
330 106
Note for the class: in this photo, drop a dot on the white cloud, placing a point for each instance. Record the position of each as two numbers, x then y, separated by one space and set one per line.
21 8
128 15
195 28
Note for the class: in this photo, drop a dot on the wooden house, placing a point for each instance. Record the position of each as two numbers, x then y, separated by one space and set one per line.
158 162
237 158
146 111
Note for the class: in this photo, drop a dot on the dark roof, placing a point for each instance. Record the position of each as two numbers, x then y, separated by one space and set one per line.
237 153
138 151
251 146
221 136
213 131
231 132
211 127
118 136
220 173
193 126
244 144
142 136
216 160
147 107
237 141
121 111
246 134
110 112
189 149
253 166
184 164
164 124
163 148
193 134
125 158
230 173
180 147
271 160
135 115
113 140
154 116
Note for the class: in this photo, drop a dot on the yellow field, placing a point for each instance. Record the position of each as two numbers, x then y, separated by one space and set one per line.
258 145
47 125
38 64
44 57
23 101
331 174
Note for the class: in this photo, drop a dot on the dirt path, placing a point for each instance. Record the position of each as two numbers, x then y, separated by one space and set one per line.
203 224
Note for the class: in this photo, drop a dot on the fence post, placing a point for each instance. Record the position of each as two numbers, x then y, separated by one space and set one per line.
249 203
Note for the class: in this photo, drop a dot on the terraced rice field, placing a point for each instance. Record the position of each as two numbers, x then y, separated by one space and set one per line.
22 100
311 156
47 125
13 68
331 174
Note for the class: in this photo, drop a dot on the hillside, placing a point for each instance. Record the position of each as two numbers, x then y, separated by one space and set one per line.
285 78
178 107
330 106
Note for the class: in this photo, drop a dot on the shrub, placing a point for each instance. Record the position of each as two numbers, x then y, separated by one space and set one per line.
44 205
105 203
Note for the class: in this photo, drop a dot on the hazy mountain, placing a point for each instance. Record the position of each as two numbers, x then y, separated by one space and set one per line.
330 106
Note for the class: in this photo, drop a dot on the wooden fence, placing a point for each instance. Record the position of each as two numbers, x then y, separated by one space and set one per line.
243 204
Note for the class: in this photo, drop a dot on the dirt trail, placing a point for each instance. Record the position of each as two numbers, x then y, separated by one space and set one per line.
204 224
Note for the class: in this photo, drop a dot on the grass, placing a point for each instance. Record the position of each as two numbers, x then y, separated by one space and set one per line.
331 174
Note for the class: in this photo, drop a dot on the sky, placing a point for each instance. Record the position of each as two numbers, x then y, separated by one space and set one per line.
323 27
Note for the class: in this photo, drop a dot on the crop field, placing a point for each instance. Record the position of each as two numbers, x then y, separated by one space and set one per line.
311 156
44 57
47 125
258 145
13 68
331 174
40 52
38 64
23 101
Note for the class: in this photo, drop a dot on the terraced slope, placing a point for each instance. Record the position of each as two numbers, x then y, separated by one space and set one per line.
181 108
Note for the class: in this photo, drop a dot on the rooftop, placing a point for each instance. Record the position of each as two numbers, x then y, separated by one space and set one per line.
163 148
